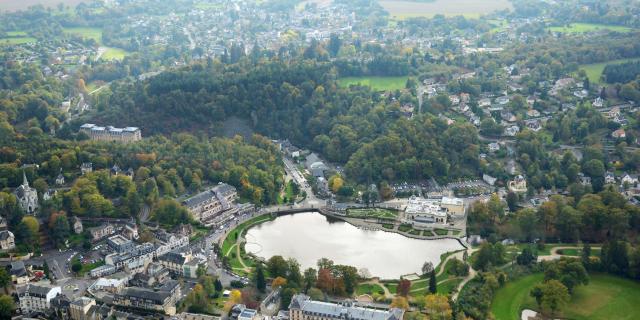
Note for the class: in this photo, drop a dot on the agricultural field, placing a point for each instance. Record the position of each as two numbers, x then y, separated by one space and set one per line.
10 5
605 297
372 213
594 71
376 83
468 8
588 27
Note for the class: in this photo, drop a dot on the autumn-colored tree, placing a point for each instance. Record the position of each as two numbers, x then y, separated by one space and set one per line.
278 282
235 297
54 216
404 287
437 306
335 183
32 223
325 280
400 302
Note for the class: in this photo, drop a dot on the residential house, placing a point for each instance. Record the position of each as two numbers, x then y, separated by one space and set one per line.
103 270
77 225
86 167
60 179
494 147
609 178
18 272
629 179
7 240
511 131
518 185
619 134
102 231
120 243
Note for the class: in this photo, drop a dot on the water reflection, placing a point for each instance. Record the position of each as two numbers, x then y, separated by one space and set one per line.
310 236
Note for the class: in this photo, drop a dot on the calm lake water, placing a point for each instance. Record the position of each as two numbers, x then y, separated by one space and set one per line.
310 236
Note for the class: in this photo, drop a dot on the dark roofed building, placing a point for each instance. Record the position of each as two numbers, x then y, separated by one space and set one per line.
162 299
303 308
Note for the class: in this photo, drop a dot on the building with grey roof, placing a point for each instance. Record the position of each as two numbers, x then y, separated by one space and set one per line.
162 299
109 133
37 297
303 308
213 206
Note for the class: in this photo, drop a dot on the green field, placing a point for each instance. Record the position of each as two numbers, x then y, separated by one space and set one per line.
114 54
606 297
377 213
594 71
230 247
369 288
468 8
376 83
87 33
588 27
16 40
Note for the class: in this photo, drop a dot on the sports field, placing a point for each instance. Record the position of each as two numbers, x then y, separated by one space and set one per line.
468 8
376 83
588 27
114 54
605 297
594 71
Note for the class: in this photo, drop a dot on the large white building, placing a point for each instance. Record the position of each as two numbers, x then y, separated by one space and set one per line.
109 133
423 212
213 206
27 196
37 297
303 308
7 240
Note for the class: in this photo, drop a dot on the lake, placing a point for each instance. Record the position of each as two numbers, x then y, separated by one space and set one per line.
310 236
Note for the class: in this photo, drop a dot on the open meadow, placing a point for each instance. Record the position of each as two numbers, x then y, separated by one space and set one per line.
376 83
468 8
594 70
605 297
588 27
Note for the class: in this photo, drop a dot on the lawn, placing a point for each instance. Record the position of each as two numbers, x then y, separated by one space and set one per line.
376 83
373 213
114 54
595 252
588 27
441 232
87 33
594 71
16 40
606 297
229 246
369 288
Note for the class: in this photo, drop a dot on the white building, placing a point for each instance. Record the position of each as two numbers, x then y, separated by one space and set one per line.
37 297
424 212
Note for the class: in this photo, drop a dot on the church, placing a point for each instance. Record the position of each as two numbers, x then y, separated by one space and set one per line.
27 196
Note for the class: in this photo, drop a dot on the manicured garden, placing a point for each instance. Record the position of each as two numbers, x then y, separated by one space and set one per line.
605 297
376 83
375 213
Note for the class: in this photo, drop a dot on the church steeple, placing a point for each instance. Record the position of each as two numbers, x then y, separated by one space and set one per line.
25 182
